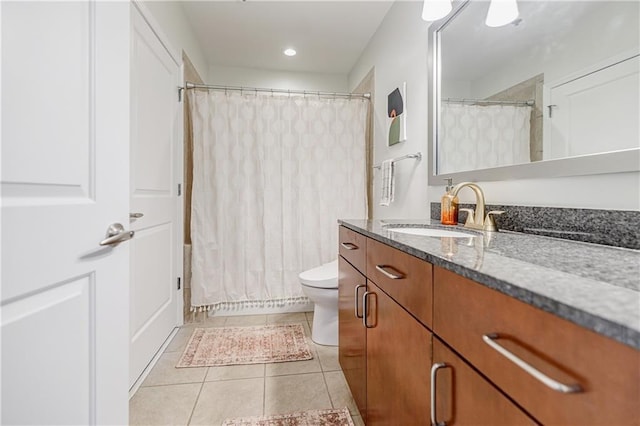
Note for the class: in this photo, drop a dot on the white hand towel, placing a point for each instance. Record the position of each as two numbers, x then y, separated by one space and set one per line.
388 180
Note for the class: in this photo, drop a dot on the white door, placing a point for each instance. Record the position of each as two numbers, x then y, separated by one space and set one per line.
156 153
582 120
65 137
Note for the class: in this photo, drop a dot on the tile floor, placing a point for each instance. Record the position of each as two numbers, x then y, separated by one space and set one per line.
209 395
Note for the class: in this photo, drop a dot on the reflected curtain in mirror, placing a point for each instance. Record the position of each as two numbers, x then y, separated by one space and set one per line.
482 136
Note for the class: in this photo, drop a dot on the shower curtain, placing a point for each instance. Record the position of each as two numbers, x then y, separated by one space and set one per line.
271 176
479 137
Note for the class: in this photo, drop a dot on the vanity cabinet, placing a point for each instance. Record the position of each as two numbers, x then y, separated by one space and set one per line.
485 327
497 360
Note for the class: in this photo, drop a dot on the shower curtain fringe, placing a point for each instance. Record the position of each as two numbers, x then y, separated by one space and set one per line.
243 304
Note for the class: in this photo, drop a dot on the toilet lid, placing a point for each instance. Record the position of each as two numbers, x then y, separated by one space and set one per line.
324 276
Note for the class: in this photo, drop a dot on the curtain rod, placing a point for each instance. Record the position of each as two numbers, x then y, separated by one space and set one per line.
530 102
190 85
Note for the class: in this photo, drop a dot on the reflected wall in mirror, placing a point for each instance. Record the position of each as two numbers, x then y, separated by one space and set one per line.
560 81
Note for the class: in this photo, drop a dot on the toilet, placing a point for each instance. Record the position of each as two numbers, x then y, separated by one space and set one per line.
320 285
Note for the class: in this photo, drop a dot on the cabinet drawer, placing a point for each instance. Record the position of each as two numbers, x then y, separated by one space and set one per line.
608 372
353 247
405 278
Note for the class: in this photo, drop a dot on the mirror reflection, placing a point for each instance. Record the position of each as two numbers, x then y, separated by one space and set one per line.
560 81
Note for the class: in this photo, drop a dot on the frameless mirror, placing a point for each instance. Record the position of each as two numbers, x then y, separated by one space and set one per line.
556 92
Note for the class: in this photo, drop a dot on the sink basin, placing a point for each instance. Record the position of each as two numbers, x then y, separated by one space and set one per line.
430 232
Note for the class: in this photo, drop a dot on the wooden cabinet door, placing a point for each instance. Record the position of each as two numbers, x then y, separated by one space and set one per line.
352 342
463 397
398 363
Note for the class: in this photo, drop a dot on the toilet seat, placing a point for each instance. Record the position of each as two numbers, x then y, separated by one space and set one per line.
324 276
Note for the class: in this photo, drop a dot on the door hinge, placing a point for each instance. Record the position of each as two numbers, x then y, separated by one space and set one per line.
179 189
179 283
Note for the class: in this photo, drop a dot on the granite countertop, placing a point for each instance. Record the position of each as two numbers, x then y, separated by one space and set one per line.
594 286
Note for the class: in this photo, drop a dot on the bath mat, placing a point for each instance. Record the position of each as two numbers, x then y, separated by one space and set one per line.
332 417
245 345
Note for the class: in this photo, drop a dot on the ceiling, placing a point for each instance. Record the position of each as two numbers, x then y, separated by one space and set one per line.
329 36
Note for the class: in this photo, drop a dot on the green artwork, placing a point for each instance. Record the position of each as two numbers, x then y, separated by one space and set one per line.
394 131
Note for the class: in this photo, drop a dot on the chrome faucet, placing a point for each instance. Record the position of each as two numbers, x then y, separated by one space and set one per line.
477 219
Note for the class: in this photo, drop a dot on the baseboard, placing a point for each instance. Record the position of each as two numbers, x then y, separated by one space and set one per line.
152 363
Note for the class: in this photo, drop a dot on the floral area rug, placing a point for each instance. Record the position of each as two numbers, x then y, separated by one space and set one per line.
245 345
332 417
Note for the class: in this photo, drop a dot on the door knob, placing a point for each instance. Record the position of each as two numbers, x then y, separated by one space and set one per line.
116 234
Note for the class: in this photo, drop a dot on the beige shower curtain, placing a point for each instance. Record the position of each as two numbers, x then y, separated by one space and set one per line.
483 136
272 174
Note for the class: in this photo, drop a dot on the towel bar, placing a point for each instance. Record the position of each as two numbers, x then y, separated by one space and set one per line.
417 156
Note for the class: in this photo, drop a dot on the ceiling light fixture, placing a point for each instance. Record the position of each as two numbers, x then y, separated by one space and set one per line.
501 12
432 10
290 52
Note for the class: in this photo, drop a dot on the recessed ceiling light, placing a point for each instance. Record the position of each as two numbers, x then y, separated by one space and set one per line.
290 52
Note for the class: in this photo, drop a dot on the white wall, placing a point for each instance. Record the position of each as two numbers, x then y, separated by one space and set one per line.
398 51
271 79
173 23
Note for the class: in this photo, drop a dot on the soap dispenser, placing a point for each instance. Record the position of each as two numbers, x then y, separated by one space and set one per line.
449 206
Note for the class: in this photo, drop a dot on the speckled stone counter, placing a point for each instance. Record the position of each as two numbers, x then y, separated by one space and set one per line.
594 286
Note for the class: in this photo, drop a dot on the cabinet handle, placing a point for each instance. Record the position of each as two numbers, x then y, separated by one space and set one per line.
355 301
490 339
384 269
365 308
434 371
349 246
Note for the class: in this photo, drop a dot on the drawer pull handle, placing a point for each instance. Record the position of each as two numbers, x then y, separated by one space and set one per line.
349 246
434 372
365 309
490 339
358 287
385 270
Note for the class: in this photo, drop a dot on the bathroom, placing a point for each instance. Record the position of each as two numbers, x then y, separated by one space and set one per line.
392 51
